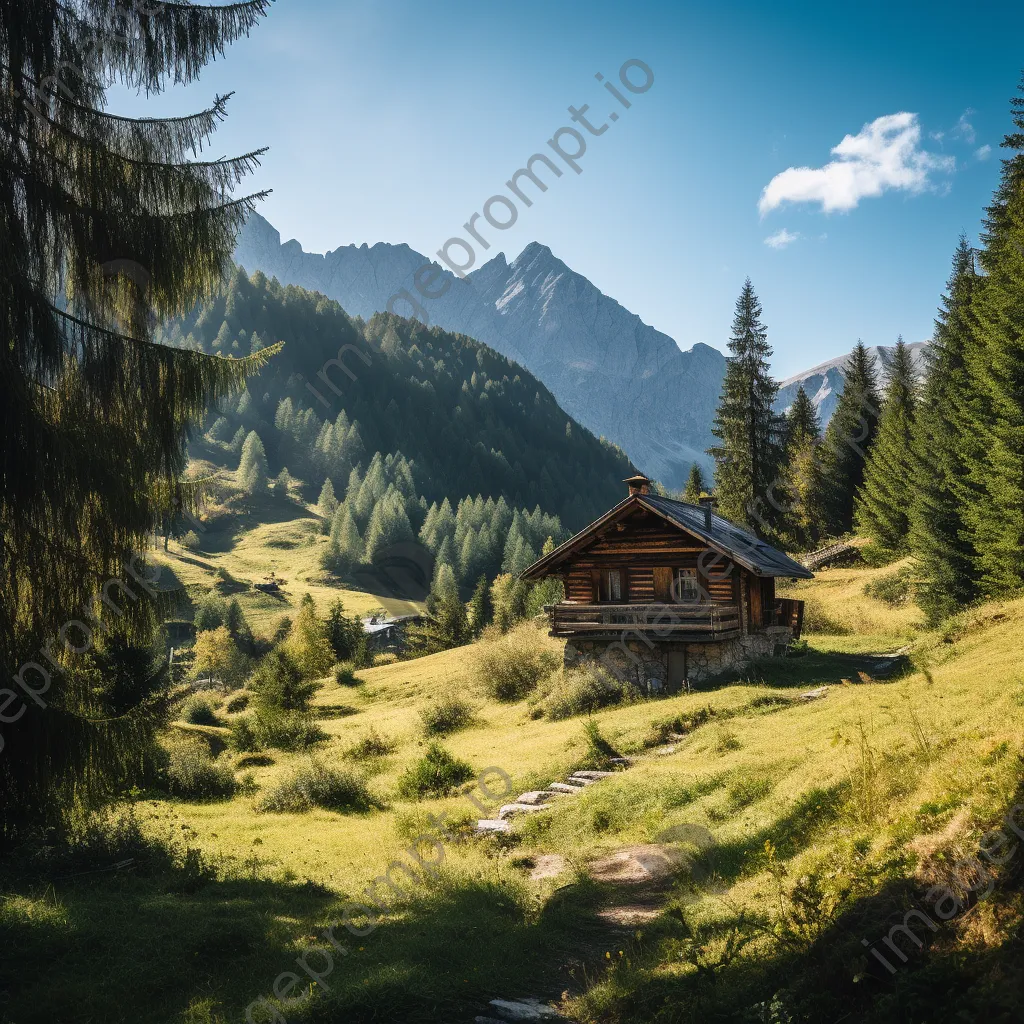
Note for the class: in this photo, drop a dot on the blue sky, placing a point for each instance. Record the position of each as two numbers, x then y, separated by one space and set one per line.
395 121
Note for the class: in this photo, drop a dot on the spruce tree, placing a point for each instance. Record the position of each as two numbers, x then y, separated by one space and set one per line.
748 461
995 404
848 440
939 538
327 504
881 506
803 472
253 472
106 222
695 485
480 609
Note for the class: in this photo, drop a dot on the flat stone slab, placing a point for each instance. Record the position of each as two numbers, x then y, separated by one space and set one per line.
492 825
593 776
507 810
561 787
525 1009
535 796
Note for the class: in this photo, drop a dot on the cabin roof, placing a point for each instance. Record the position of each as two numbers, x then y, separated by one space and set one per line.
724 536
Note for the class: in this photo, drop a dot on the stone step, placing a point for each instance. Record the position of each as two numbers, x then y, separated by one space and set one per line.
524 1009
624 761
592 776
507 810
563 788
492 825
535 796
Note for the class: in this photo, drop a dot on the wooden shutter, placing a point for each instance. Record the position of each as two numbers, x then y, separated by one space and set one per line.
756 619
662 584
595 582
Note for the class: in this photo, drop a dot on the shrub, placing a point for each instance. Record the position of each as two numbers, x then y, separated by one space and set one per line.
384 658
513 664
371 745
278 683
449 714
316 785
585 689
345 674
210 612
680 725
199 710
894 588
237 703
191 541
194 774
598 752
285 730
437 773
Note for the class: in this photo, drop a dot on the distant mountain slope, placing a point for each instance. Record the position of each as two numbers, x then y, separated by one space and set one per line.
470 421
611 372
824 382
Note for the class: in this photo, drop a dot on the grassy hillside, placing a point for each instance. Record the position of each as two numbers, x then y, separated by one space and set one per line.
828 820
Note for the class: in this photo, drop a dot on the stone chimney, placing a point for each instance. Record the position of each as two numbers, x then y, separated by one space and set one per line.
709 505
638 484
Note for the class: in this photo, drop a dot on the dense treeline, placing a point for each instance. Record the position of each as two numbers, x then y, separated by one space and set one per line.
932 468
465 419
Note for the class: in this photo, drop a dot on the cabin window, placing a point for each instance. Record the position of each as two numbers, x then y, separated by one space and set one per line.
684 586
613 585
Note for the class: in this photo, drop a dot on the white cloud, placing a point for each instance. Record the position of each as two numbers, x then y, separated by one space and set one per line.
984 153
885 154
781 239
964 129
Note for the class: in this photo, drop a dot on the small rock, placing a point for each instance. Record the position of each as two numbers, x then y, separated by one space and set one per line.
525 1009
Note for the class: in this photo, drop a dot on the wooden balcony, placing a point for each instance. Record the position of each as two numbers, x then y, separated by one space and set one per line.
701 623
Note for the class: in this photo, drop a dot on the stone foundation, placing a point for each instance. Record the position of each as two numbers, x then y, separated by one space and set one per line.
647 664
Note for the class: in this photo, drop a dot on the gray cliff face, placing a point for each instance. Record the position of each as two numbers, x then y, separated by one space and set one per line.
824 383
610 371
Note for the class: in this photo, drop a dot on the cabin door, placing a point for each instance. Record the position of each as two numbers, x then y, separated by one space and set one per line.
676 671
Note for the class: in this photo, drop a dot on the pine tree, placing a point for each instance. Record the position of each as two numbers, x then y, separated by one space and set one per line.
848 440
327 504
994 438
881 506
447 624
389 525
109 212
308 643
748 461
802 475
695 485
253 472
939 537
480 609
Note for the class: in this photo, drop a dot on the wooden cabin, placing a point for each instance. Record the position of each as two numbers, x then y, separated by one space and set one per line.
669 593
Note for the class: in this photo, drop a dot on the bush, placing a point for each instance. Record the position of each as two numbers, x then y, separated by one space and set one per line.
199 710
585 689
384 658
210 612
237 703
278 684
449 714
437 773
345 674
191 541
895 588
284 730
316 785
192 773
680 725
598 753
371 745
512 665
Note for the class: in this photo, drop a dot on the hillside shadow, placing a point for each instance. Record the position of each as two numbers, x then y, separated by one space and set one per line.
820 668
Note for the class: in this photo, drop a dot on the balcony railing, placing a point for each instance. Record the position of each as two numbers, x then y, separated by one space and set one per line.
668 621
